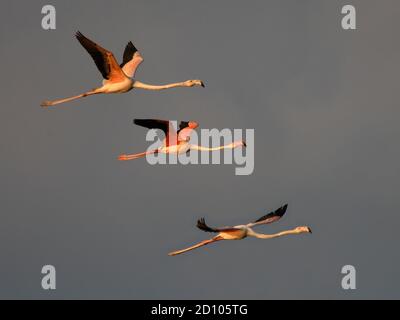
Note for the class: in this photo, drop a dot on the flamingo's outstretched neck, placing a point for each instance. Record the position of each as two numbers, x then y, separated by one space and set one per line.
188 83
48 103
232 145
297 230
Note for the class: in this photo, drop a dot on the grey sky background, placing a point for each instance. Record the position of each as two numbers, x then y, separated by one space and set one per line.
324 106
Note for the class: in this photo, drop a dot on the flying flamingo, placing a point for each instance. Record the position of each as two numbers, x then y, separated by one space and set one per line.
242 231
117 78
175 142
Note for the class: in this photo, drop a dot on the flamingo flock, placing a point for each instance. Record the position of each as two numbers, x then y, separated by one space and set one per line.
120 78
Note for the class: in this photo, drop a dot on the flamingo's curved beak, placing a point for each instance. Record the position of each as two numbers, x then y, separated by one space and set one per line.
202 84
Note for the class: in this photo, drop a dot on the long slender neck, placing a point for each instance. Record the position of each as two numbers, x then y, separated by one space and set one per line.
141 85
252 233
228 146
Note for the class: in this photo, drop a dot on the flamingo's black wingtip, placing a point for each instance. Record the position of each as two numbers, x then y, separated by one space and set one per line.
282 210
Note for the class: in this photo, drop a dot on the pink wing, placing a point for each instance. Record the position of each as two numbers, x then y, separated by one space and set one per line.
131 60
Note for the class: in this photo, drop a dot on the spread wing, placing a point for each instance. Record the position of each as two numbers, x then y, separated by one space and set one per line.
184 131
183 125
104 59
131 60
201 224
270 217
164 125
